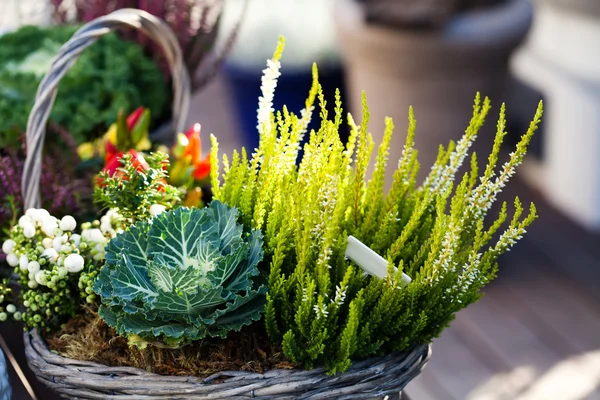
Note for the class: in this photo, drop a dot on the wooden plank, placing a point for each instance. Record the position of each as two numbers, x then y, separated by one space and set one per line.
496 335
575 378
426 387
561 314
567 320
455 367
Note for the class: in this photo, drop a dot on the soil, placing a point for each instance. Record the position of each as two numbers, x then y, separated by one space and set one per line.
87 337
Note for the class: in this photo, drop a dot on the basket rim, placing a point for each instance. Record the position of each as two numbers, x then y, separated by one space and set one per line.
374 377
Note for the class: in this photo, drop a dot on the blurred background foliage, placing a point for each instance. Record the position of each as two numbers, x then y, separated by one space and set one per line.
112 75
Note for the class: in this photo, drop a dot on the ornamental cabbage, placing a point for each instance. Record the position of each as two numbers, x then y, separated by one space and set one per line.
181 276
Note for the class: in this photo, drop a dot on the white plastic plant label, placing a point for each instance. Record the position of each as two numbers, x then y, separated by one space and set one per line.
371 262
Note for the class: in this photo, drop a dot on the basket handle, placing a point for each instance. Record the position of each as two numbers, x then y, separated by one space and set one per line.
152 26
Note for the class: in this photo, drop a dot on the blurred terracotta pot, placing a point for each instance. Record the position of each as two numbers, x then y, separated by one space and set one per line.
436 71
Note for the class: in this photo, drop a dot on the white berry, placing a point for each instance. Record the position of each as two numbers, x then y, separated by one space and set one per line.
23 261
76 239
33 267
62 272
156 209
40 277
57 243
12 260
67 223
8 246
74 263
49 226
50 253
38 215
28 230
25 219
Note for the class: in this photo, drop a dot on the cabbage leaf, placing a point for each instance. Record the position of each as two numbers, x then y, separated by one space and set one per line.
181 276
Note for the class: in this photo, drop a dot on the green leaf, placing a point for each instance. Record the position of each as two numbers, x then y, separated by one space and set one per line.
176 235
123 135
140 130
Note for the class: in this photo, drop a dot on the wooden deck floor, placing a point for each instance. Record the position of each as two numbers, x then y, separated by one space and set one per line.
535 335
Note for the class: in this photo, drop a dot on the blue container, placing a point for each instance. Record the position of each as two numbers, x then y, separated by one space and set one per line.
5 389
292 91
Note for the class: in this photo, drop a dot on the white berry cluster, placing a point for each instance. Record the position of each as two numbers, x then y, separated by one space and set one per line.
51 258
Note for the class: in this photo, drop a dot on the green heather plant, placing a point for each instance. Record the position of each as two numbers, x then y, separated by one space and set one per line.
181 276
321 308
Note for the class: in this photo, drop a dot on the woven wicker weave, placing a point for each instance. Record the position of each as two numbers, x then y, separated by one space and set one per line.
370 379
73 379
36 125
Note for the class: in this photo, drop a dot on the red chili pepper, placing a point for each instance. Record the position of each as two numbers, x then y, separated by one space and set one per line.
110 151
134 117
202 169
137 161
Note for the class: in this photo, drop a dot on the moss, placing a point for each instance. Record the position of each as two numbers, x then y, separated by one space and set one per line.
87 337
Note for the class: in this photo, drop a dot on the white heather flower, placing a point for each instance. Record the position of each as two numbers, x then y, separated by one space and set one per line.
23 261
12 260
304 295
156 209
265 102
28 230
33 267
320 311
51 254
8 246
305 118
47 243
74 263
68 223
340 296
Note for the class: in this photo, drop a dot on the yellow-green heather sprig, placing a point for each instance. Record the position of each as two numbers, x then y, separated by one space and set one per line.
320 307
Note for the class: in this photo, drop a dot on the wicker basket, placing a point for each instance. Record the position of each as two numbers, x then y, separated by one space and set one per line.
372 379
